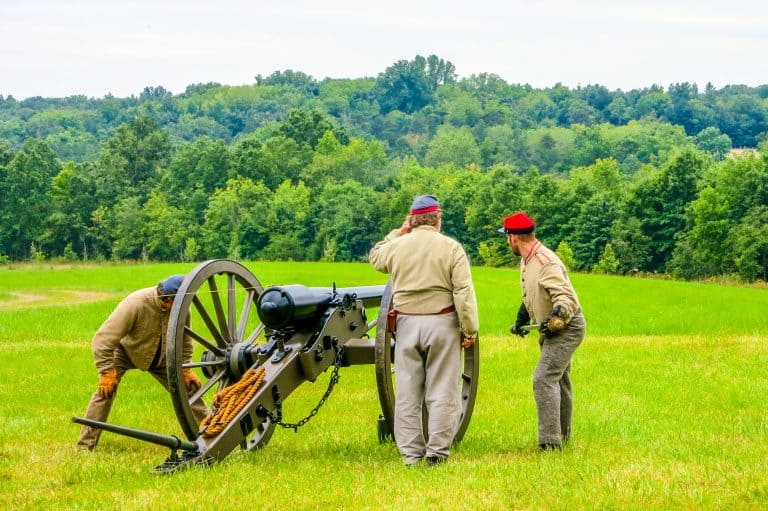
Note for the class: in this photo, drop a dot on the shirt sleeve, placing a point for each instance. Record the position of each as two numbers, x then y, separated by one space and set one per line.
553 280
464 293
378 256
108 336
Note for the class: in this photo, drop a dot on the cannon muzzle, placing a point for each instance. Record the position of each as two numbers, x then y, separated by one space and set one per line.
170 441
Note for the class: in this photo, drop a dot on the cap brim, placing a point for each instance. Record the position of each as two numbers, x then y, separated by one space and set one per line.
502 231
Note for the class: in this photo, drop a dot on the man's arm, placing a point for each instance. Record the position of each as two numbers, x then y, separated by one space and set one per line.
108 336
553 280
464 293
378 256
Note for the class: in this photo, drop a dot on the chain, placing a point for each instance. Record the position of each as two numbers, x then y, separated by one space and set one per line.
277 418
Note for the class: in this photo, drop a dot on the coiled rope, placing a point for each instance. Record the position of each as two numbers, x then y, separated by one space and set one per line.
230 400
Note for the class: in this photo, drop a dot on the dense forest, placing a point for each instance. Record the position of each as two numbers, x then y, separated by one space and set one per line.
660 180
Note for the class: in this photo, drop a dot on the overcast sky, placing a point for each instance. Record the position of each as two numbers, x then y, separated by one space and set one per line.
59 48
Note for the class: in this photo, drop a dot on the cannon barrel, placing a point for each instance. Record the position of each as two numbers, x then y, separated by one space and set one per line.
292 305
170 441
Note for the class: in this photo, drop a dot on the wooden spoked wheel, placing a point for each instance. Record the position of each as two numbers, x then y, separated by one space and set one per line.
386 377
213 313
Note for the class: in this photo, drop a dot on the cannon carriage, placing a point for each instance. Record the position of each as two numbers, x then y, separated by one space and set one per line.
254 346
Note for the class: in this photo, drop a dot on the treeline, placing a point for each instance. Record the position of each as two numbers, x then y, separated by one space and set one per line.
293 168
404 107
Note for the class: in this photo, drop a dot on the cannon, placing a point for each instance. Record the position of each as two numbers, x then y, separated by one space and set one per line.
255 346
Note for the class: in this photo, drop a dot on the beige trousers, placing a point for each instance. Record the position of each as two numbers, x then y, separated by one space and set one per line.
427 370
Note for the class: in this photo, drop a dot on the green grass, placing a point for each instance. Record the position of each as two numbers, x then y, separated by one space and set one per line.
670 389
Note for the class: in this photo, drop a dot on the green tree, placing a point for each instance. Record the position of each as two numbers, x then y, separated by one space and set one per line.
24 199
364 162
631 247
190 127
712 141
589 145
294 79
749 240
732 191
132 157
409 86
596 196
272 162
660 201
565 253
196 169
343 214
545 154
458 107
502 144
608 262
537 108
165 229
593 228
128 237
453 146
287 223
654 104
235 220
71 195
308 127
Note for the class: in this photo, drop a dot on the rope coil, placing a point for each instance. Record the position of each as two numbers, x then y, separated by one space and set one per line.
228 402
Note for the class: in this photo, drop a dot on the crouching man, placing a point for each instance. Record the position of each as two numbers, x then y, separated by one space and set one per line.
134 337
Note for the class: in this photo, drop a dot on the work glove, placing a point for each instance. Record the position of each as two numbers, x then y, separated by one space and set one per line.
554 321
191 381
523 319
108 382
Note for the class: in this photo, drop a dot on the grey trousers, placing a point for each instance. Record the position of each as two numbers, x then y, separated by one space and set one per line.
427 368
552 382
99 407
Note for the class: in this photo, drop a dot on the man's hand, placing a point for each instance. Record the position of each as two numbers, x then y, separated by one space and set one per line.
554 321
467 341
518 330
191 381
523 319
406 227
107 383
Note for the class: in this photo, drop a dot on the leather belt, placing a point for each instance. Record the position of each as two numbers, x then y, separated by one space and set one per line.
392 316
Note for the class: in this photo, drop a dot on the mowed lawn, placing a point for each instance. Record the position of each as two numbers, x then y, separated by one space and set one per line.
670 407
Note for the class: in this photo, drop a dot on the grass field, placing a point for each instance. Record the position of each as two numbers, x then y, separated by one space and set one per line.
670 407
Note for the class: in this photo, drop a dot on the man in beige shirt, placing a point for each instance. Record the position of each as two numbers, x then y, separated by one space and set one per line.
550 300
133 337
434 297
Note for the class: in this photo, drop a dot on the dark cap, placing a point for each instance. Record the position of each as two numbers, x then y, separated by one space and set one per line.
424 204
519 223
171 284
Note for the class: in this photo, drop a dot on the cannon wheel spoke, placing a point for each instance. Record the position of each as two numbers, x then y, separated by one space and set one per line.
214 309
386 378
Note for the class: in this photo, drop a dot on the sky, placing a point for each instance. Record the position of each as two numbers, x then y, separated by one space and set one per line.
61 48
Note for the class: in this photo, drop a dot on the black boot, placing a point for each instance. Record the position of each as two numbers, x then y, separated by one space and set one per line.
436 460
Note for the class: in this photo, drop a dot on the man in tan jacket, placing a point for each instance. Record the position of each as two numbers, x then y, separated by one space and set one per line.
434 297
133 337
548 298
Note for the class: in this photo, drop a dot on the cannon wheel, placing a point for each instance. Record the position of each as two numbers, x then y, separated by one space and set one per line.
384 380
216 308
